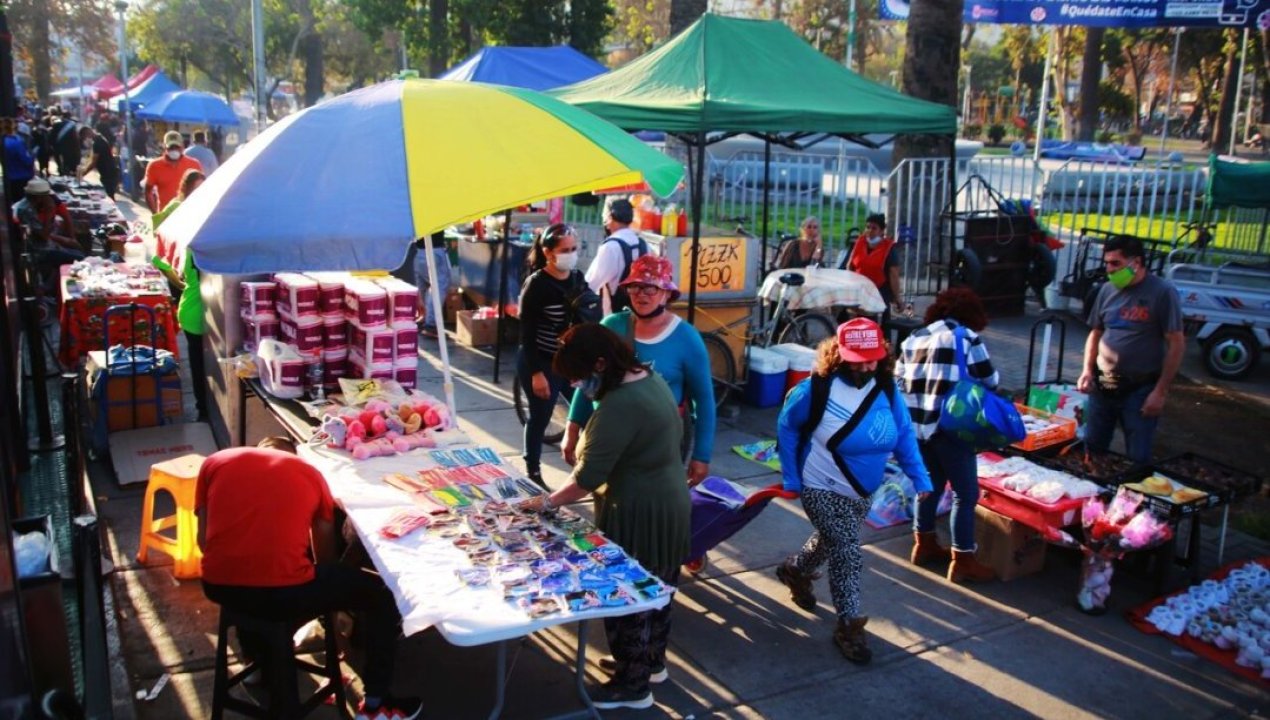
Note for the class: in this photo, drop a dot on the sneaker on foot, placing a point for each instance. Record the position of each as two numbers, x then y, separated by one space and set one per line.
658 676
391 708
612 695
536 478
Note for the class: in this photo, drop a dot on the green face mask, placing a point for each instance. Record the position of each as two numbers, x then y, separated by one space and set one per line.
1121 278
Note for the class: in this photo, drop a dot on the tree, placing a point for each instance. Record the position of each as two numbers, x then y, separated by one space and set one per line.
1021 48
684 13
640 24
1090 79
1226 109
88 25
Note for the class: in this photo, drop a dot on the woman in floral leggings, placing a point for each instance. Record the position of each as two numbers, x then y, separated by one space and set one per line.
836 431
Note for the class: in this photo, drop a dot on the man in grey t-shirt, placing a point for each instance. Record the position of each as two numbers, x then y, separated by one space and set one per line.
1134 348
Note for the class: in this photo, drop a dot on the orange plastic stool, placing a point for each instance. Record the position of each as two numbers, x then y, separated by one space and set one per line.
179 477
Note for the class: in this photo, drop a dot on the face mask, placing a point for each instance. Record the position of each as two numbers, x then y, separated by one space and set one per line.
1121 278
174 155
567 261
658 311
873 241
857 378
590 386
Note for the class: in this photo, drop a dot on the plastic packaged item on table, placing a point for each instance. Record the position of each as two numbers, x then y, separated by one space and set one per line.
257 298
406 343
366 303
1028 510
334 333
1056 429
801 361
334 366
406 371
330 292
766 384
281 369
297 294
403 302
375 344
257 329
304 332
359 368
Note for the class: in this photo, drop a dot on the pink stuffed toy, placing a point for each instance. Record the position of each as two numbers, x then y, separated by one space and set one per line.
374 448
378 426
356 432
378 406
406 443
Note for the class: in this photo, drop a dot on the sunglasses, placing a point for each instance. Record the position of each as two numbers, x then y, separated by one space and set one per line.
645 290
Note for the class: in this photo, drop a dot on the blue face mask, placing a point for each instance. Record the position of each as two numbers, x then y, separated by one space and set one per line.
590 386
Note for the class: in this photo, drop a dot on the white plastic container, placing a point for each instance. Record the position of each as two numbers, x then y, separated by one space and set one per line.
304 332
406 345
281 369
330 292
375 344
297 295
257 329
335 333
366 303
257 299
403 302
406 371
801 361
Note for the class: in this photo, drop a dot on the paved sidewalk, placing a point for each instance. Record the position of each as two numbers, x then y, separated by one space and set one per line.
739 648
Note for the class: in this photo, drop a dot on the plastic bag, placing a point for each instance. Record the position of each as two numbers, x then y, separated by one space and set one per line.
891 505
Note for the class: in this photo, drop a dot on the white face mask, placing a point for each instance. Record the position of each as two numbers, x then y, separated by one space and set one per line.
567 261
174 155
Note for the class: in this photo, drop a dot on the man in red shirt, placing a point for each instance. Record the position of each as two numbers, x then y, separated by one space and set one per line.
261 512
163 175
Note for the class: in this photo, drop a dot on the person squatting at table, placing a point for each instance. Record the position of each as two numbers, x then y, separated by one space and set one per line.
1133 351
632 451
927 371
544 316
261 512
835 433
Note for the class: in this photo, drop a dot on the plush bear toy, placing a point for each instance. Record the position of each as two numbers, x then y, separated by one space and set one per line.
406 443
374 448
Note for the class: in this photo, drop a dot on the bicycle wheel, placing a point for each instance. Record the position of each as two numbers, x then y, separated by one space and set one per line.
722 367
807 330
559 417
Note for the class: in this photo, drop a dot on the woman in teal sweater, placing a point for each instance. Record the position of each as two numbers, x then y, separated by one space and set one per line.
668 345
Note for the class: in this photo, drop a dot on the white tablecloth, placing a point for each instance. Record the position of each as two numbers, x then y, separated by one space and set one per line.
825 288
420 568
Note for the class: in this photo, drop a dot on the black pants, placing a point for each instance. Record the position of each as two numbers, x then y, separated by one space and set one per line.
334 587
14 190
198 372
109 181
638 642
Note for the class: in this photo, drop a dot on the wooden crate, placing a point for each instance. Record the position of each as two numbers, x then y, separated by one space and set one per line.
714 315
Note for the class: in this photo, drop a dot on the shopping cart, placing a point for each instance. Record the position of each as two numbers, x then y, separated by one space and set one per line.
719 509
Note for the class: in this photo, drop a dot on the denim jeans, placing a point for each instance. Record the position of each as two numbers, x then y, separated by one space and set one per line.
949 460
1106 410
540 411
442 261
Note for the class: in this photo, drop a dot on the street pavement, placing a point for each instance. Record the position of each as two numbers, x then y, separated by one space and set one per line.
739 648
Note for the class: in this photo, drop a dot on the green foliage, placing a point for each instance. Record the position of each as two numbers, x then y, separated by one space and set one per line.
1114 101
42 29
1106 137
996 133
971 132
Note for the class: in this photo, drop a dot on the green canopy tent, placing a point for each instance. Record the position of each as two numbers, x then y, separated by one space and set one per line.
1243 184
729 76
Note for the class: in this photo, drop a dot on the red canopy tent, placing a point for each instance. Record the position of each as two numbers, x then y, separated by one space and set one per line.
108 85
133 82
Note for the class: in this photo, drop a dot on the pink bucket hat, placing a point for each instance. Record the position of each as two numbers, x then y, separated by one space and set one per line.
655 271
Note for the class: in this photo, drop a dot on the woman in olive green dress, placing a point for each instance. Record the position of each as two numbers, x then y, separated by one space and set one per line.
632 450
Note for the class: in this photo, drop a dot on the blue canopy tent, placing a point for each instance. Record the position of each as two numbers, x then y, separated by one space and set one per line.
149 91
192 106
536 68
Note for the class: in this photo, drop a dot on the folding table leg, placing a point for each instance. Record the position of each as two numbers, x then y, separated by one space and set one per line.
580 671
500 681
1221 542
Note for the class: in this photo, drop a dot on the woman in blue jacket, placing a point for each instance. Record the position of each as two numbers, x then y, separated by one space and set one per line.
836 461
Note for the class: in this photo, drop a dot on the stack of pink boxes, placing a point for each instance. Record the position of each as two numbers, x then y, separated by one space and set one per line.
370 338
334 328
257 307
403 306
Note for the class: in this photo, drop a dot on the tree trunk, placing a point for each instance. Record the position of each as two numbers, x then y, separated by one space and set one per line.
684 13
465 33
1090 76
41 51
438 37
314 69
1226 110
1265 76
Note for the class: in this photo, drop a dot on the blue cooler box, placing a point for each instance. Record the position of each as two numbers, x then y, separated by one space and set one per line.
766 384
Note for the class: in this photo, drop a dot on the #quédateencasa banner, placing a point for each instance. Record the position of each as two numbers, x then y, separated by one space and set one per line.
1107 13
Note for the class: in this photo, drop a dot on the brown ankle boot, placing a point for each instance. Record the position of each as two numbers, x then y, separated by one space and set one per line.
852 640
799 584
965 567
926 549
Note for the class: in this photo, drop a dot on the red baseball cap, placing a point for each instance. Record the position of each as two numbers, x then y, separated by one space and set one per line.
860 341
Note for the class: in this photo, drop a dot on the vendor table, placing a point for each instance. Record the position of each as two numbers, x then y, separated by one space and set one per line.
419 570
825 288
84 325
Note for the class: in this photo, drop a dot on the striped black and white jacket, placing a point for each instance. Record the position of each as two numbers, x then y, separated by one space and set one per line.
927 371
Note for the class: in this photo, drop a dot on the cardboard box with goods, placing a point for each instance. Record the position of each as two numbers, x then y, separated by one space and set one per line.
113 397
1010 548
476 331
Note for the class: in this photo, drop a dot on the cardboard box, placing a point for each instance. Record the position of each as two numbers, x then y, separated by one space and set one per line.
476 332
1010 548
114 402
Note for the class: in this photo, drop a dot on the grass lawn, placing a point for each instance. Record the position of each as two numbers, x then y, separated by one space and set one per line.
1167 228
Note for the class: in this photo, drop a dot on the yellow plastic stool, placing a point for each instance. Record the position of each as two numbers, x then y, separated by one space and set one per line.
179 477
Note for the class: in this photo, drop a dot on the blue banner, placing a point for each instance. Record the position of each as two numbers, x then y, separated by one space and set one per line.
1107 13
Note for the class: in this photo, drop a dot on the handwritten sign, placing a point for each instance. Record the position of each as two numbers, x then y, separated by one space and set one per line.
720 264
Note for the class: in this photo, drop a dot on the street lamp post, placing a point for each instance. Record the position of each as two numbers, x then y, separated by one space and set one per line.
125 152
965 102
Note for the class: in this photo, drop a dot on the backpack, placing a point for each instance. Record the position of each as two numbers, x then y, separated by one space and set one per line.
620 298
582 305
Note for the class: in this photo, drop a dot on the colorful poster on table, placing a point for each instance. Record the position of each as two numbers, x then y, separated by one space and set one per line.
1106 13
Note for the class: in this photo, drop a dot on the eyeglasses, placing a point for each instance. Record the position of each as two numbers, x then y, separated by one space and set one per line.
645 290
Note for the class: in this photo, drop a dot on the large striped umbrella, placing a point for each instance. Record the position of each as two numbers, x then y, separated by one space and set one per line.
348 184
